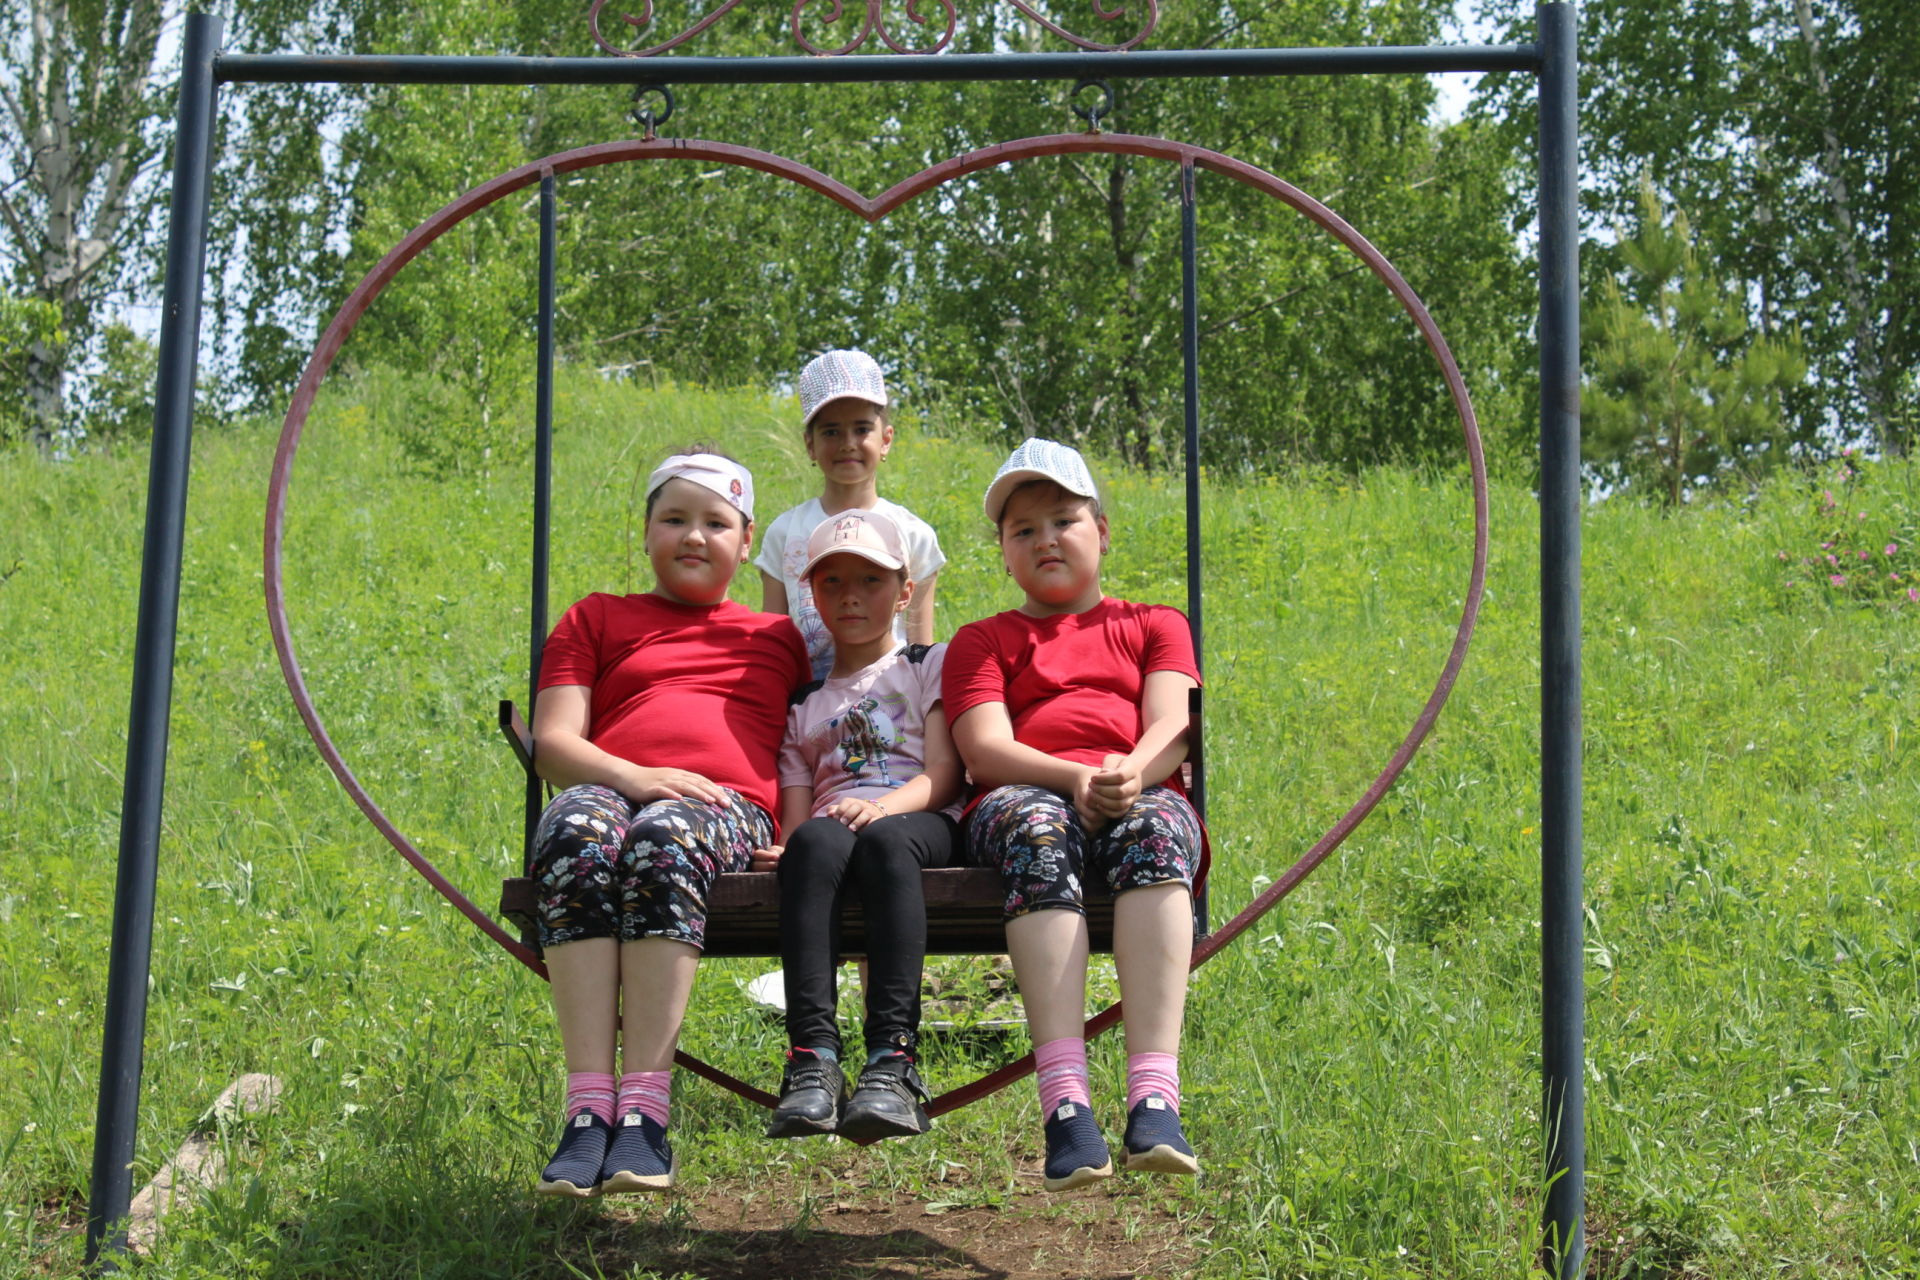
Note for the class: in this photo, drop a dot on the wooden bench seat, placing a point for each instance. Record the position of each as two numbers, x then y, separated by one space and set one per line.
743 914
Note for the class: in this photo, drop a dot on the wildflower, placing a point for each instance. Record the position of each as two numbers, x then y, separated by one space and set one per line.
1863 553
1832 559
1913 594
1826 546
1783 556
1891 548
1827 497
1837 579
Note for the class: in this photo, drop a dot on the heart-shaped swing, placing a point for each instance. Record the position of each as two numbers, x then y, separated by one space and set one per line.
872 210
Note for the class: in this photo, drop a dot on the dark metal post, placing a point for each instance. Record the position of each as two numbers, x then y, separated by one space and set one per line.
542 479
1190 356
1561 952
128 960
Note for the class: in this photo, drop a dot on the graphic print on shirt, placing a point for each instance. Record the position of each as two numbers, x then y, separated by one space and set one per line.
866 739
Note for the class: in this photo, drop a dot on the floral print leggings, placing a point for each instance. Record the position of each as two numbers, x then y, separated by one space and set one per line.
1043 850
609 868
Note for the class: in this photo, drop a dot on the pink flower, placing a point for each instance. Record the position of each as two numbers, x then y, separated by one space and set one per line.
1837 579
1892 547
1826 546
1832 559
1863 555
1913 594
1783 556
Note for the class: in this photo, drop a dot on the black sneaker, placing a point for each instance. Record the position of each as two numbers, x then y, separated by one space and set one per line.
1154 1142
1076 1153
575 1167
811 1091
639 1158
890 1101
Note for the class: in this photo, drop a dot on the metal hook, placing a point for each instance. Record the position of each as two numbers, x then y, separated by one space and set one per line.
645 117
1094 114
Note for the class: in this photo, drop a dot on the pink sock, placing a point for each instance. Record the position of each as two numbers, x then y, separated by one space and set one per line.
648 1093
590 1091
1062 1073
1153 1073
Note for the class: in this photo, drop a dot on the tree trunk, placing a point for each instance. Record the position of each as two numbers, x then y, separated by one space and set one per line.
1866 347
46 394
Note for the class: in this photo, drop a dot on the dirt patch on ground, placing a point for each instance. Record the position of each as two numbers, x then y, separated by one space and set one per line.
1093 1234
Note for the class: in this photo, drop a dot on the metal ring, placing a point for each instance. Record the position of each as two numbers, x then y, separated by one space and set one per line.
645 117
1095 114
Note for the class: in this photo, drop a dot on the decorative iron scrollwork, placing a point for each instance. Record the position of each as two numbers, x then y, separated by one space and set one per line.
934 32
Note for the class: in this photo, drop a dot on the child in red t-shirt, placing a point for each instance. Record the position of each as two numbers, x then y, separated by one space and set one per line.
659 716
1071 715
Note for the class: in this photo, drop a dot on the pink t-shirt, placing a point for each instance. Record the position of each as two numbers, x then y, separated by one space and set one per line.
699 687
865 735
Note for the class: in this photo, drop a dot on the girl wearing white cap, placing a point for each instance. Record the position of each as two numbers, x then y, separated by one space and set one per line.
1070 712
869 785
843 402
658 719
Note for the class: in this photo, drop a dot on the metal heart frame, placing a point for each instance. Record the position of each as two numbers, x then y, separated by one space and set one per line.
872 210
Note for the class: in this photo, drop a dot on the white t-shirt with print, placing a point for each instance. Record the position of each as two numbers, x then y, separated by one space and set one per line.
783 554
864 736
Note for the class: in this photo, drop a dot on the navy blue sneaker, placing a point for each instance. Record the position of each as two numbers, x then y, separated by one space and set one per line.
1076 1153
1154 1142
575 1167
639 1158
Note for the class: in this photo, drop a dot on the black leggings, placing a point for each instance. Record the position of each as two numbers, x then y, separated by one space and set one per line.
823 859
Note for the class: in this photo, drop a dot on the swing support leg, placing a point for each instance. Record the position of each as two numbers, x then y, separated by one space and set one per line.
1562 1005
111 1192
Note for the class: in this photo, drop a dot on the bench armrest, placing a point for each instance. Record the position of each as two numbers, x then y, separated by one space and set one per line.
518 736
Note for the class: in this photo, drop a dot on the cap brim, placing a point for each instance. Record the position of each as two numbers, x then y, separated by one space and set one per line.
865 553
845 395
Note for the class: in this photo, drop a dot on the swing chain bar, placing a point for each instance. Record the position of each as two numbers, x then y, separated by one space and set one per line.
645 116
1096 112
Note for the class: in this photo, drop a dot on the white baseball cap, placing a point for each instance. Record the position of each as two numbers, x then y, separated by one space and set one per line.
836 374
868 534
1037 459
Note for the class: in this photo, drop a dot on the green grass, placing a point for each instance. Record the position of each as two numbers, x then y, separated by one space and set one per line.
1361 1069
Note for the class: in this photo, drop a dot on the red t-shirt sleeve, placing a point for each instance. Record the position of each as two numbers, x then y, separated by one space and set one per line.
1169 644
571 654
971 673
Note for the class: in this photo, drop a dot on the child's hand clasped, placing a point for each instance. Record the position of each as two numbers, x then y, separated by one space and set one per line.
767 859
1112 790
856 813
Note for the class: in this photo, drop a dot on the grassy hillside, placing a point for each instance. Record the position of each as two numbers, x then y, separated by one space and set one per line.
1362 1069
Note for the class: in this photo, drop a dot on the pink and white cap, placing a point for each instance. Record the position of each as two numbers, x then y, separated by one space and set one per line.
723 476
1037 459
868 534
836 374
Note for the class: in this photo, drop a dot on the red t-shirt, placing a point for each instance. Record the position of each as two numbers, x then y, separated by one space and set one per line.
1071 682
698 687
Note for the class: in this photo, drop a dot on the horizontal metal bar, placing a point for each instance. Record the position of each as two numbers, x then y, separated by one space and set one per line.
1135 65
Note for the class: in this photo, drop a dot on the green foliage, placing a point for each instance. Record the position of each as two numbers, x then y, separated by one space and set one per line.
120 400
1681 391
24 322
1803 189
1360 1069
1038 298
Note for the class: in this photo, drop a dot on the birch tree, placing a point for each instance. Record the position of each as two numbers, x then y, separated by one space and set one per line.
76 165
